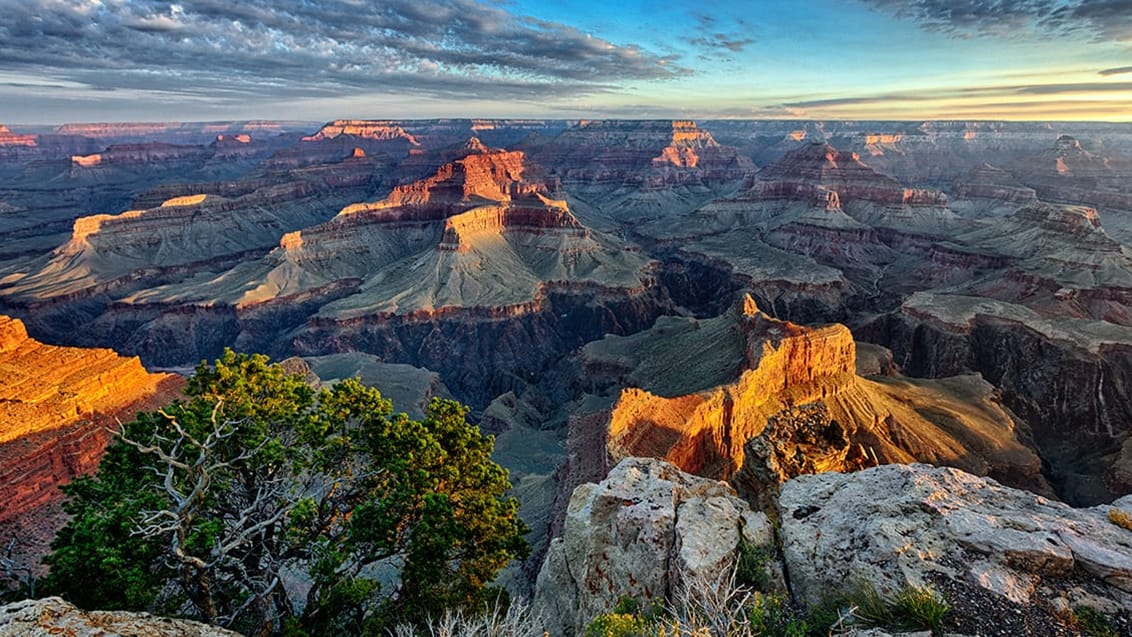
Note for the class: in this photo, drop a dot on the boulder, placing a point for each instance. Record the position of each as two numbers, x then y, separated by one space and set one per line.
983 545
641 532
53 616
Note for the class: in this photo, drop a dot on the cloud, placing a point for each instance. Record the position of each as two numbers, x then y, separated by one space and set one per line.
1075 87
716 42
270 50
1100 20
1120 70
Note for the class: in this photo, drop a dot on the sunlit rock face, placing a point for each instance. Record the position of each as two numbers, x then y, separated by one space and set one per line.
759 400
56 407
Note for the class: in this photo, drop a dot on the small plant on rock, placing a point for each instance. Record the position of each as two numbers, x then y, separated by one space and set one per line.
921 607
751 567
1120 518
1092 622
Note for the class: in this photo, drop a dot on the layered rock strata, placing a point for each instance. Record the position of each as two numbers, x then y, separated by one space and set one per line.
762 400
57 405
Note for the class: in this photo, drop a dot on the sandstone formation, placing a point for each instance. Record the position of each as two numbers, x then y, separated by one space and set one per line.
484 246
43 387
56 407
763 400
641 532
53 616
621 171
967 537
988 257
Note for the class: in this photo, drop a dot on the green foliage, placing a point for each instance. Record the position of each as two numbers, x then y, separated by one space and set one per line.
751 568
214 500
1093 623
922 608
912 607
772 616
619 625
871 607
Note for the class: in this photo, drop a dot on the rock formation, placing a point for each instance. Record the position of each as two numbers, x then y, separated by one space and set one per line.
56 405
980 544
762 400
641 532
627 170
994 553
53 616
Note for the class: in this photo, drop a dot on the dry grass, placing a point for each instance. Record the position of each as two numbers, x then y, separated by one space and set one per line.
518 620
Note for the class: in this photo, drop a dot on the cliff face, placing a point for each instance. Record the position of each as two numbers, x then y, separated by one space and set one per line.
781 400
55 405
1066 376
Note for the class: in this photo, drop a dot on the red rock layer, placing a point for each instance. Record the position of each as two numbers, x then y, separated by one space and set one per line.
381 130
8 138
704 433
818 167
54 403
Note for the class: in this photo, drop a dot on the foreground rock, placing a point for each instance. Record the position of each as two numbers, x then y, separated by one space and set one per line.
53 616
991 550
641 532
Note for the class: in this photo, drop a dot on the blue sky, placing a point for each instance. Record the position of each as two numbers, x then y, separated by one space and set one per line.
106 60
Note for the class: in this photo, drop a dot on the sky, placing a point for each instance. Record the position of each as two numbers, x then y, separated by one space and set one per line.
197 60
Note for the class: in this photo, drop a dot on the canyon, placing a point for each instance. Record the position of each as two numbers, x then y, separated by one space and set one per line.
749 300
58 409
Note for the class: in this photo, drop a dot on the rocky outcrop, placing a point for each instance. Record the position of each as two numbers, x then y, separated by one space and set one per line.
760 400
982 545
46 387
629 170
992 553
641 532
57 405
53 616
53 403
8 138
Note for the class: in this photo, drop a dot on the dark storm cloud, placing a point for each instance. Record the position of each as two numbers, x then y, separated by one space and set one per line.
315 48
1101 20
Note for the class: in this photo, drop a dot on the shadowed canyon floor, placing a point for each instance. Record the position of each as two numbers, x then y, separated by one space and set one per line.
749 300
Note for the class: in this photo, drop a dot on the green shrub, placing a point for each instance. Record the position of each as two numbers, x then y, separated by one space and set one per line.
871 607
1093 623
921 607
618 625
751 567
